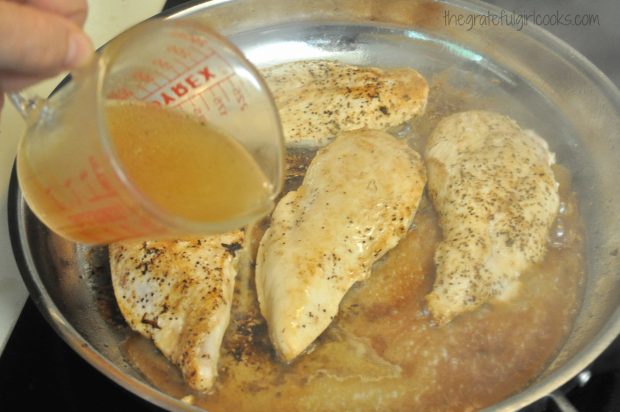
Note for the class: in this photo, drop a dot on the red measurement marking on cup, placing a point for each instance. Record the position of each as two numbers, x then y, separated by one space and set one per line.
163 64
219 104
216 96
239 98
107 214
101 225
194 77
186 58
122 93
178 51
199 41
205 104
212 74
84 179
69 187
101 188
178 93
220 86
49 192
122 230
114 233
184 67
142 76
197 111
142 80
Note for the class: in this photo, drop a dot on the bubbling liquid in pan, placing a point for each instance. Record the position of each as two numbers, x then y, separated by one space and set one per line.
383 350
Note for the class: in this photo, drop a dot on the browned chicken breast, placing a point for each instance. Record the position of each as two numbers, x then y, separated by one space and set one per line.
496 196
319 99
357 200
179 293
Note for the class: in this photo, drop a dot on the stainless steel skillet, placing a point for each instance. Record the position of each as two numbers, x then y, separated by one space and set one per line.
528 74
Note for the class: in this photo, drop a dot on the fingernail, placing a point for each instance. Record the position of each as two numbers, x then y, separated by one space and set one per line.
80 50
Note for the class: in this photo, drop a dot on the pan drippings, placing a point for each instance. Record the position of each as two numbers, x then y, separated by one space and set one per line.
384 352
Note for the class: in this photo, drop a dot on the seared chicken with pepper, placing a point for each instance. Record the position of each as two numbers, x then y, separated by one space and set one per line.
179 294
357 200
496 196
319 99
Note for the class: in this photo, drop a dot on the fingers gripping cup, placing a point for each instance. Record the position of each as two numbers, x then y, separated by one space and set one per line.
169 131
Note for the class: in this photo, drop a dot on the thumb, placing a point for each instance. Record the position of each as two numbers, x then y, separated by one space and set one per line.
37 42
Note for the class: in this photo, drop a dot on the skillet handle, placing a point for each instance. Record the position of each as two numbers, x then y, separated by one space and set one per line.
561 402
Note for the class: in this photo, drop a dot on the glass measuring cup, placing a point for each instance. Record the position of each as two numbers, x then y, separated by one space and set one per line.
71 172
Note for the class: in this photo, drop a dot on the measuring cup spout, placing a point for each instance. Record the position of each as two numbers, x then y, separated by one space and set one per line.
29 108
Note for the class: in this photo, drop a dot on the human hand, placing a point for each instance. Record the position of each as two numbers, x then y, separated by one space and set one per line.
39 39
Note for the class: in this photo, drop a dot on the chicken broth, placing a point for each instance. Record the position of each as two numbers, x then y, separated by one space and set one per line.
383 351
209 177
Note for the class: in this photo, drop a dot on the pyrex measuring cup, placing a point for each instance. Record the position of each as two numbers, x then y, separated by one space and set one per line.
69 170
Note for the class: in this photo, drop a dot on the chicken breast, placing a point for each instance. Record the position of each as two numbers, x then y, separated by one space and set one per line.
318 99
179 293
496 196
357 200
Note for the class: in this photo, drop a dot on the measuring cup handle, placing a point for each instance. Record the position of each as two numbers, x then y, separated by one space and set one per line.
25 106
